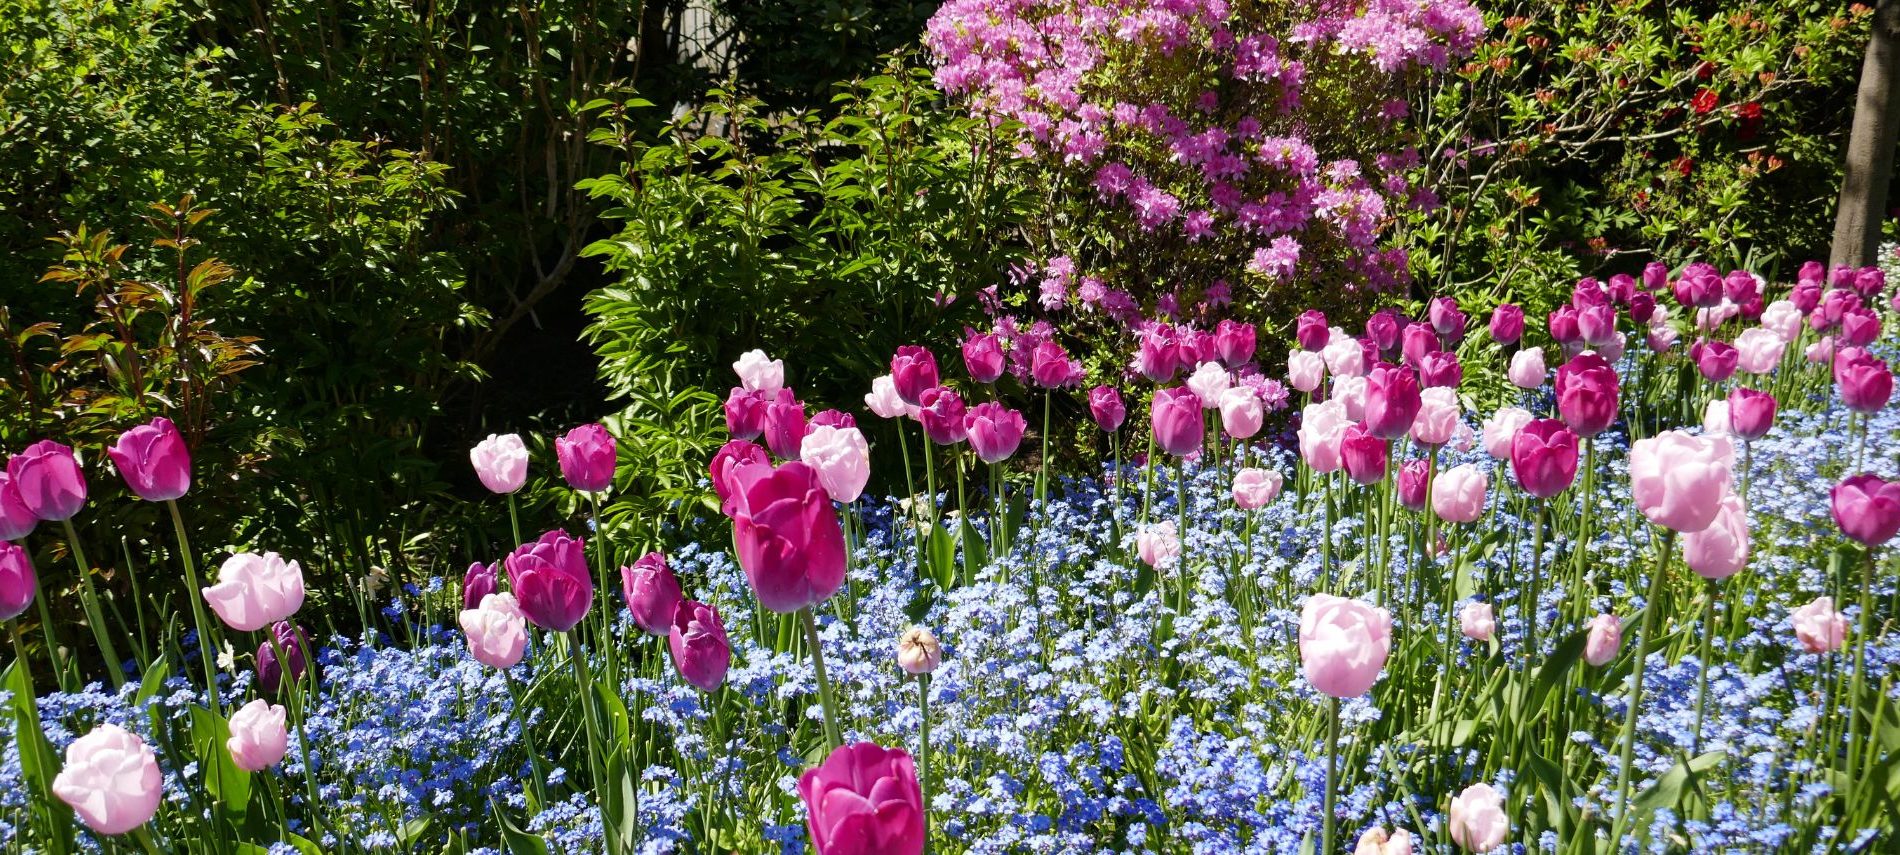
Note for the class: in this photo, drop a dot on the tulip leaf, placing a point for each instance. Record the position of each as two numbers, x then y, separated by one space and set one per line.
223 779
38 764
615 711
976 553
1559 793
1462 583
519 842
1666 792
413 831
943 557
152 682
1554 668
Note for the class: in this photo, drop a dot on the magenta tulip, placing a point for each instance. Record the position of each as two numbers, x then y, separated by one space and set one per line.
1383 328
786 535
732 455
1507 323
745 413
1343 644
1105 406
478 581
994 430
1440 368
1311 330
864 800
586 455
1157 356
1750 413
1544 457
1412 484
1417 341
16 519
153 461
941 413
785 425
1175 416
17 580
1717 360
697 639
550 581
914 370
1642 308
983 356
832 419
1586 390
1563 326
1678 479
1867 508
1859 327
1051 367
1446 319
652 592
1392 401
1865 382
48 481
1234 343
1364 454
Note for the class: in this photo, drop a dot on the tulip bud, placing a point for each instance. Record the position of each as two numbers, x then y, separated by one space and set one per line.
652 592
1476 819
1819 627
699 645
1604 638
258 738
918 651
501 461
18 583
1477 621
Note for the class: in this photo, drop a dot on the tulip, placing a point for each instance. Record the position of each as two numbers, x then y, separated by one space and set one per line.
652 592
1678 479
1715 418
478 582
1458 493
698 642
1462 437
759 373
1051 367
732 455
864 800
501 461
842 459
1563 325
1311 330
1383 328
1719 551
983 356
1750 413
258 738
1412 484
1446 319
1438 417
1596 324
1105 406
1507 323
1501 429
883 399
1544 457
550 581
497 631
110 780
1322 428
1717 360
1864 380
745 413
1859 327
833 418
1344 357
1158 545
1157 356
1194 347
1392 401
1477 621
942 413
254 591
1417 341
1661 337
1241 413
1255 488
1343 644
586 455
296 649
785 425
1376 842
1782 319
1364 454
1477 821
995 431
1867 508
1758 351
153 461
1175 416
1819 627
1527 368
1350 392
914 371
16 519
1655 276
1234 342
1209 381
1586 390
17 580
1305 370
1605 636
1440 368
1806 296
48 481
918 651
787 538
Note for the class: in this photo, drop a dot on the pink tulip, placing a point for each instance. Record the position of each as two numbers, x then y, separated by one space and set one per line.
497 631
698 642
153 461
1412 484
1820 351
1383 328
1350 392
786 536
48 480
1507 324
551 581
1611 350
258 737
1344 357
1563 325
1661 337
1527 369
652 592
501 462
1586 390
995 431
730 457
586 455
1477 621
1209 381
1175 416
1476 820
983 356
1305 370
864 800
1105 407
1158 545
478 581
1322 428
918 651
1241 413
1859 327
1758 351
914 371
1446 319
1458 493
745 413
1721 550
1364 454
1750 413
254 591
1392 401
1438 417
1255 488
1867 508
883 399
1440 369
785 425
1051 367
16 519
110 780
941 413
1417 341
1234 343
1343 644
17 581
760 373
1678 479
1864 380
1819 627
1604 638
1544 457
1717 360
1783 319
841 458
1377 842
1156 356
1501 429
1462 437
1596 324
1311 331
1715 418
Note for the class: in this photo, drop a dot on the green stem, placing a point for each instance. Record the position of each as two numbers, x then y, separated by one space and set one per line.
923 746
1702 670
1651 611
583 675
832 739
1332 773
207 639
1181 532
514 518
1860 660
115 668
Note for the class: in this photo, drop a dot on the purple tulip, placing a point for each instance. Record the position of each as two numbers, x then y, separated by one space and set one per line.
994 430
1717 360
1105 406
745 413
1642 308
550 581
982 356
1418 340
864 800
785 426
1234 343
942 413
1544 457
1392 401
1586 390
1447 320
833 419
17 582
1412 484
1051 368
652 592
1563 326
1864 380
16 519
1383 329
730 456
296 647
1867 508
1364 454
1750 413
1440 368
1507 323
1311 330
478 582
697 639
914 371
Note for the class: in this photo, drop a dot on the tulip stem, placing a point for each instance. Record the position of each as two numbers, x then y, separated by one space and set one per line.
1535 592
1860 660
207 641
514 518
62 672
1042 463
1702 665
1181 532
143 834
291 685
1332 773
1651 610
832 739
923 747
584 676
115 669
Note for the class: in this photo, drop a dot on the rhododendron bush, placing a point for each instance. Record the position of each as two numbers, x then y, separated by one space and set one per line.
1263 147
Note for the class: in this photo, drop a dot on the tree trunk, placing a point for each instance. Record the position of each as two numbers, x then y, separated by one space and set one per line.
1869 166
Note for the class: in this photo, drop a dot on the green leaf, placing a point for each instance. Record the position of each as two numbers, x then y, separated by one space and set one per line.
1554 668
943 557
518 842
615 710
223 779
413 831
1559 793
38 764
152 682
976 552
1666 792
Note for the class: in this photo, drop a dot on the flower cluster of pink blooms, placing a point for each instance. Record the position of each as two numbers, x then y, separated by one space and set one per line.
1192 118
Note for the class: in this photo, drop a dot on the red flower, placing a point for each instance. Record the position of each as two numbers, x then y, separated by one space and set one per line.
1685 165
1750 110
1704 101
